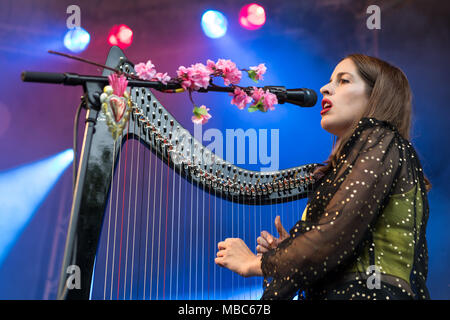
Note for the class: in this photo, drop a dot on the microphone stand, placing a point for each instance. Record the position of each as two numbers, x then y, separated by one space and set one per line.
301 97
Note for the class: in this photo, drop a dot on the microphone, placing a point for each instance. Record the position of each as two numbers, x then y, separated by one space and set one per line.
302 97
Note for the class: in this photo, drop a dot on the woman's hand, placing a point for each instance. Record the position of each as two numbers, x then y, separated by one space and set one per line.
267 242
234 254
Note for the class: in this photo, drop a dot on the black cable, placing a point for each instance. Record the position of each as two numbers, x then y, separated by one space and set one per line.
75 139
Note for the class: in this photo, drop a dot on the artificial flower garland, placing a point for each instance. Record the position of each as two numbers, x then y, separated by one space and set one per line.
199 76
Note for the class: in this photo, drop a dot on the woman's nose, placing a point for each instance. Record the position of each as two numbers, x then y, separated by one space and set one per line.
325 90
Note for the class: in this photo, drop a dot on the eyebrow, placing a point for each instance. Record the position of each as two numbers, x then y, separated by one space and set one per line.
340 74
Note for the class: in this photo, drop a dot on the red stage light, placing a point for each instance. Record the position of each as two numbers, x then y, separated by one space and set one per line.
121 36
252 16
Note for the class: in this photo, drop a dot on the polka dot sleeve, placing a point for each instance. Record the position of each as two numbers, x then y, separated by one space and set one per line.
341 212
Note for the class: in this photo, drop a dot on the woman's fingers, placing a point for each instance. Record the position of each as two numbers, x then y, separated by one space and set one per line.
262 241
220 253
266 242
221 245
271 240
235 255
220 261
261 249
281 231
268 238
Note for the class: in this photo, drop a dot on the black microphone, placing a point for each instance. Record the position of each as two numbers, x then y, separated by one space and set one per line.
302 97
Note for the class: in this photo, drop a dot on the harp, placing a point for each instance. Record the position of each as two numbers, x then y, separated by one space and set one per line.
146 218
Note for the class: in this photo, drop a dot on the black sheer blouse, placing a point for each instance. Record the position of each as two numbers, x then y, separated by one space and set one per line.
369 210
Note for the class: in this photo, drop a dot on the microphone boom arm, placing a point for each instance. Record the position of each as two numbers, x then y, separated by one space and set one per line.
302 97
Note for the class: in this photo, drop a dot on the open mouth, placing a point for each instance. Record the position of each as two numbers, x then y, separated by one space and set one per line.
326 106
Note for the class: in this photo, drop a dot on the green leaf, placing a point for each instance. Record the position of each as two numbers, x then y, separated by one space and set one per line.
256 107
252 75
261 107
200 112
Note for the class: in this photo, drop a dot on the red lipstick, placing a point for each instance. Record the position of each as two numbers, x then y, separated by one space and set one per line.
326 105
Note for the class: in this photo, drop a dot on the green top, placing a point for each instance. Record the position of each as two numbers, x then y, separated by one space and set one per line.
393 237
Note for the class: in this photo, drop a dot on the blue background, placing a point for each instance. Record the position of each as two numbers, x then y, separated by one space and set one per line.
300 44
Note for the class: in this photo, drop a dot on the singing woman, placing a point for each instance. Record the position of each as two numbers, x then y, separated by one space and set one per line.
362 234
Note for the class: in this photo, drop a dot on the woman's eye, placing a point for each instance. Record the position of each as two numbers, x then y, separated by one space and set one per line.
344 81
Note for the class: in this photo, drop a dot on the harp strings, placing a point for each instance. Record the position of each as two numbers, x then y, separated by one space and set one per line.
164 247
128 218
139 171
172 224
109 219
153 222
147 216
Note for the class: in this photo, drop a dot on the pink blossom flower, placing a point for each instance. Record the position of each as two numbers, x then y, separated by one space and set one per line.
202 116
118 84
240 98
145 71
183 74
164 78
257 94
259 70
269 100
211 65
195 77
266 99
230 73
200 76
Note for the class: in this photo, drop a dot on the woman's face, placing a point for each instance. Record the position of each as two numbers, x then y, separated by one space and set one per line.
346 93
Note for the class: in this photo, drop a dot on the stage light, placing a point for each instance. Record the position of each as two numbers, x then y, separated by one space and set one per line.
121 36
252 16
77 39
214 24
22 190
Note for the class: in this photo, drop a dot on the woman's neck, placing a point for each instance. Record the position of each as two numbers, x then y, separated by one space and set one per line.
336 144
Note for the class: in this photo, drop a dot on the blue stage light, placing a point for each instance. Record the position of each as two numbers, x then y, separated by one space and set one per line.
77 39
214 24
22 190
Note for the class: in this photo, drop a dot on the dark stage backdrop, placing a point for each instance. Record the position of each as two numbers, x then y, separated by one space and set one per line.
300 43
